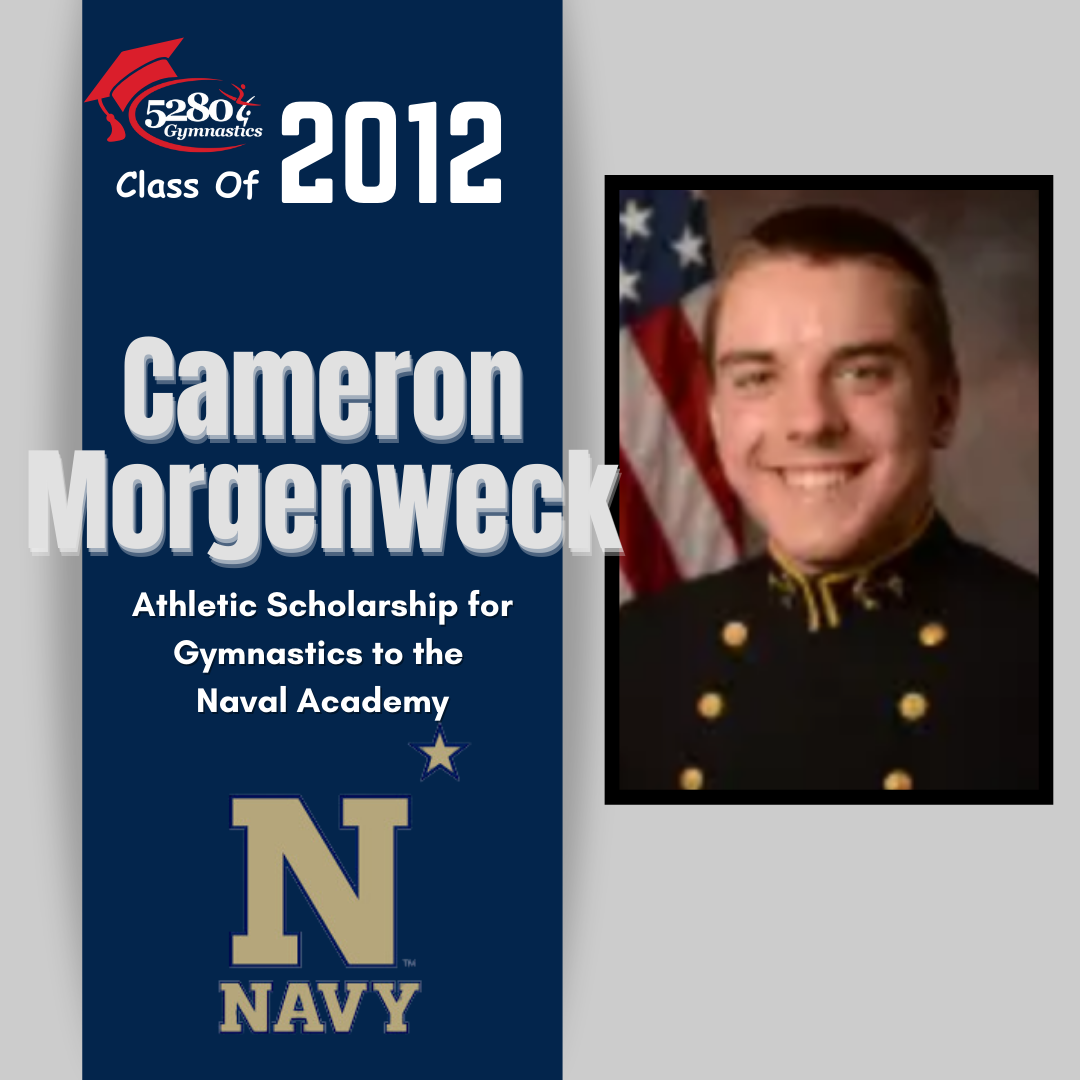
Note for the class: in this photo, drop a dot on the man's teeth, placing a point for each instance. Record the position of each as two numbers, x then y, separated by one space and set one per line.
816 479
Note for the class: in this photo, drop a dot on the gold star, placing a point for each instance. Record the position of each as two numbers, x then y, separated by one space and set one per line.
440 754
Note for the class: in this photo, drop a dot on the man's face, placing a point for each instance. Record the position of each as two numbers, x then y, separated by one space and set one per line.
825 409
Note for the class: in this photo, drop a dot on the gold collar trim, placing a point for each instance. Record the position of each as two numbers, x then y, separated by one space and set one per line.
817 589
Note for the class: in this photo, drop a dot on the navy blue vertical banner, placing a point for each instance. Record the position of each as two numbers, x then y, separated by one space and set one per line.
322 616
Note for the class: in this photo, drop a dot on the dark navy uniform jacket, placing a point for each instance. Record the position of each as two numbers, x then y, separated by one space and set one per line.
918 672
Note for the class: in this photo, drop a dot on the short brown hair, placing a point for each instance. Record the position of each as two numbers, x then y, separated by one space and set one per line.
825 234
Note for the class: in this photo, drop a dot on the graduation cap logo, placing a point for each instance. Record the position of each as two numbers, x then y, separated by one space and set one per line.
137 73
133 70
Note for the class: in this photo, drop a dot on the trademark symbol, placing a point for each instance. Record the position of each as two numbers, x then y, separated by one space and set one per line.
409 963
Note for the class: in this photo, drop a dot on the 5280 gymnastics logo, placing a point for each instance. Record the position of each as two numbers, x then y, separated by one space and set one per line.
168 110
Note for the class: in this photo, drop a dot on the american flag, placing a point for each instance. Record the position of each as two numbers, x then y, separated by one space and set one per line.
678 518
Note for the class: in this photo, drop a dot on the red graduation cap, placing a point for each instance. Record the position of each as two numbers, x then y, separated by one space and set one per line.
132 70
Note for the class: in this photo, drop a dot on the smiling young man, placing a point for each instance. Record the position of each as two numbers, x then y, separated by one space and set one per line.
871 648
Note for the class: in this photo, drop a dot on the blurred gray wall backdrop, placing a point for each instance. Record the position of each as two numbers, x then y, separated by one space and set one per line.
986 247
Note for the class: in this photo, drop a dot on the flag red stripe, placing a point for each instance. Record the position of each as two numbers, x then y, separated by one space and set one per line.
646 561
677 363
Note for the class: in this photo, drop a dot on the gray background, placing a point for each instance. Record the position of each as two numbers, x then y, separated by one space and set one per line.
750 942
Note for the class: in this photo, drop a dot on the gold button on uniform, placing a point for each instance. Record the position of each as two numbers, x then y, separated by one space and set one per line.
691 779
898 780
914 707
933 634
734 635
710 706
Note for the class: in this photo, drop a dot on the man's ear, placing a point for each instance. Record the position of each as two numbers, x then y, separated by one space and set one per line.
714 414
946 411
